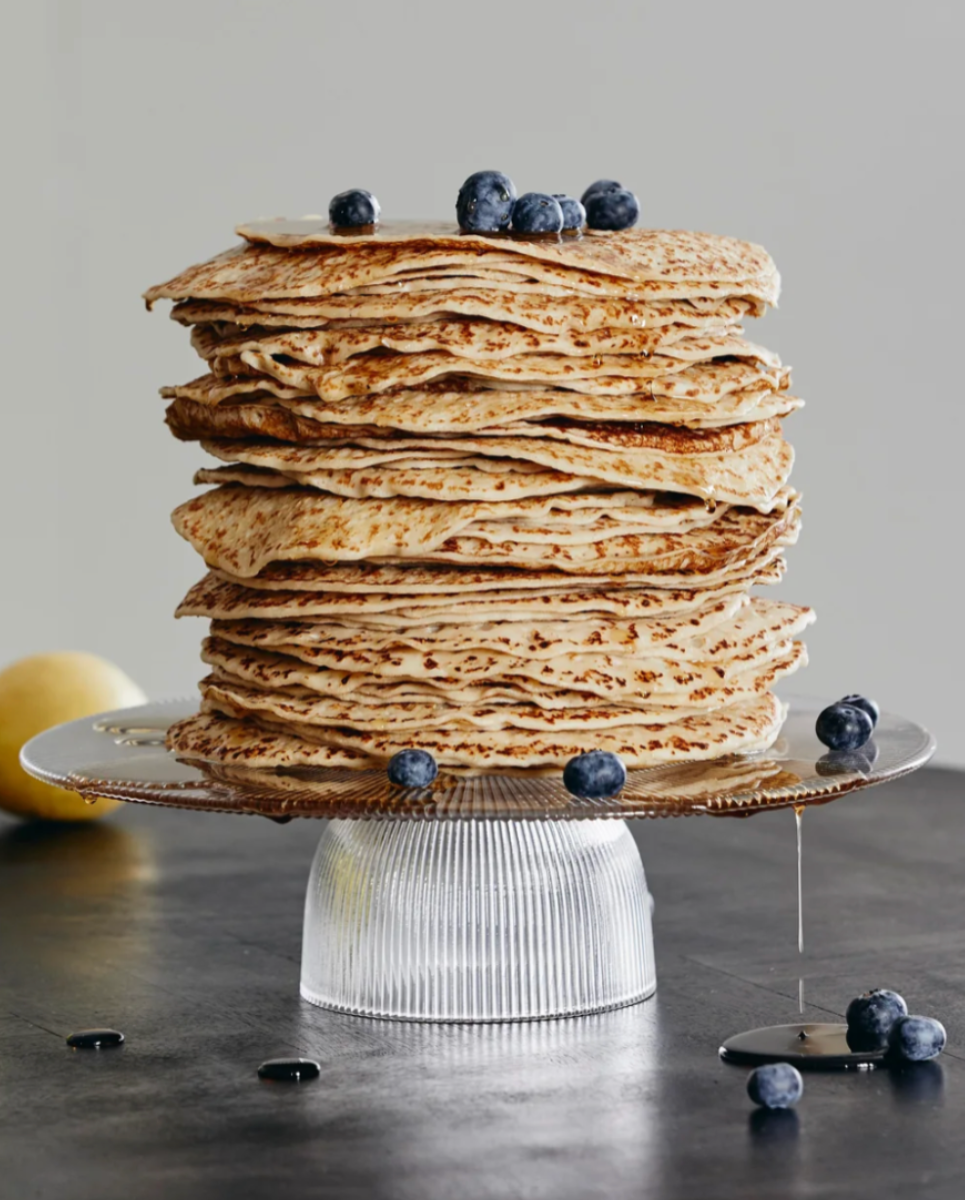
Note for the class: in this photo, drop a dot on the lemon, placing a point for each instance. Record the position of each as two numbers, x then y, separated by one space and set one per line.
37 693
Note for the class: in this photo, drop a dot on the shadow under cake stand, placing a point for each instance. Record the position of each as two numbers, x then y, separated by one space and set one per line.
490 897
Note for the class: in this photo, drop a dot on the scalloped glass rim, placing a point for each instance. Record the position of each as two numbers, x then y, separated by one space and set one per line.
121 755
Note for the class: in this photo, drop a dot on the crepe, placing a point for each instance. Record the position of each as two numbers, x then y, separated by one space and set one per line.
752 471
746 726
702 383
242 530
633 664
730 618
637 254
491 413
318 715
483 479
547 639
520 308
602 374
462 338
435 598
639 263
279 676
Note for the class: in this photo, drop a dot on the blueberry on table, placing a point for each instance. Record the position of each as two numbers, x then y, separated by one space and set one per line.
485 203
353 209
916 1039
412 768
537 212
871 1016
596 775
612 210
601 185
574 214
866 705
775 1085
843 727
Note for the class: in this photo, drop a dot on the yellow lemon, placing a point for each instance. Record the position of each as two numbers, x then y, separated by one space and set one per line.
42 691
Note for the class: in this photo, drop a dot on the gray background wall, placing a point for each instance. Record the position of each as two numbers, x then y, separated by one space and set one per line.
139 133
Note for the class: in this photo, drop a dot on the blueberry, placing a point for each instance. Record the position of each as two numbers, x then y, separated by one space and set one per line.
866 705
485 202
574 214
916 1039
842 727
775 1085
612 210
871 1016
412 768
536 212
351 209
596 775
601 185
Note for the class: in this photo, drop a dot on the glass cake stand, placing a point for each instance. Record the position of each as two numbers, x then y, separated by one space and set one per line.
487 897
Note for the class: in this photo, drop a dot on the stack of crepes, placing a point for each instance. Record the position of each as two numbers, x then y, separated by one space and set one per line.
501 500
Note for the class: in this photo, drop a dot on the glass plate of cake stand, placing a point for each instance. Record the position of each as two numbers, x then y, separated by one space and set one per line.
485 897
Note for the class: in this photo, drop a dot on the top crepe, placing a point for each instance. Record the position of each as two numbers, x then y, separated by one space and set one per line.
666 264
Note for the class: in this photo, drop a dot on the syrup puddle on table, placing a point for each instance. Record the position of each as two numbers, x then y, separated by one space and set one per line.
799 821
289 1070
95 1039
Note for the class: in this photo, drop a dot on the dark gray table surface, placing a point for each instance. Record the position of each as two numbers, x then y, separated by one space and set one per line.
183 930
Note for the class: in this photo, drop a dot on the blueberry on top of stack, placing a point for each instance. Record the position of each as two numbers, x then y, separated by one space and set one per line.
498 491
487 203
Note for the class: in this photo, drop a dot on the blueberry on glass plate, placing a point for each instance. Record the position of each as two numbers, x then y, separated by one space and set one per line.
353 209
537 212
866 705
596 775
843 727
916 1039
574 214
775 1085
601 186
485 203
871 1016
412 768
612 210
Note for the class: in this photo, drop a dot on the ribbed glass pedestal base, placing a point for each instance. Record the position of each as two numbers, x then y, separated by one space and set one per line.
477 920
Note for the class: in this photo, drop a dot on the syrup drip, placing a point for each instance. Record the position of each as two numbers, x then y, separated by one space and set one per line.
798 819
